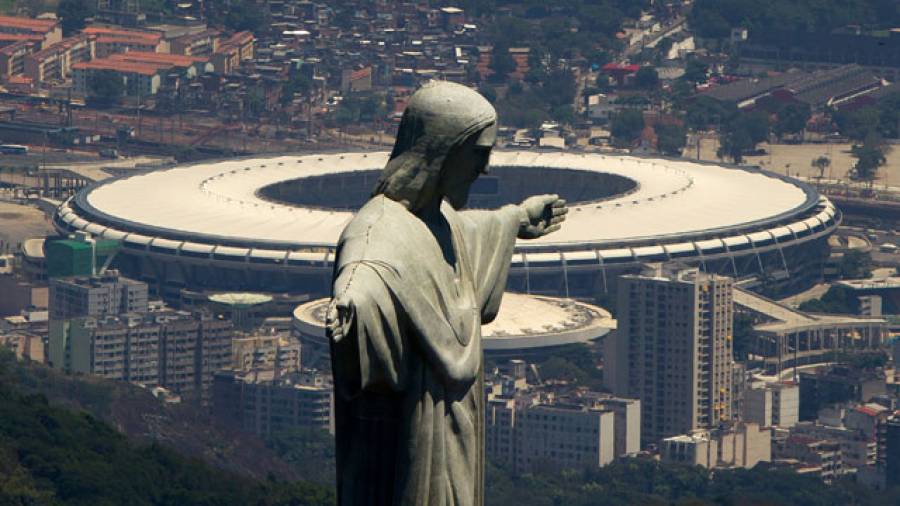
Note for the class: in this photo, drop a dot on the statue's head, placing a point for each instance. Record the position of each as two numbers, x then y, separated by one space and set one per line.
443 145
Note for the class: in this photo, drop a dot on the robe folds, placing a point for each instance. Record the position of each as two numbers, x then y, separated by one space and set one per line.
409 394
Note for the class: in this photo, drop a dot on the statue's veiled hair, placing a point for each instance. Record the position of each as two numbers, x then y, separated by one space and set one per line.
440 116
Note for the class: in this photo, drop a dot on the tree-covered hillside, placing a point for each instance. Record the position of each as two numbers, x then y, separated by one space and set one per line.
53 455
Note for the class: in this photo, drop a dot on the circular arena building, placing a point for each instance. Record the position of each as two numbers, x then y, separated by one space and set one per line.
525 325
270 224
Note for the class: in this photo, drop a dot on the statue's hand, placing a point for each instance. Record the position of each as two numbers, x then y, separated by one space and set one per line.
542 215
339 318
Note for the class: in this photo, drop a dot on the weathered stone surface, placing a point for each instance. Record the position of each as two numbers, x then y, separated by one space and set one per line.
414 279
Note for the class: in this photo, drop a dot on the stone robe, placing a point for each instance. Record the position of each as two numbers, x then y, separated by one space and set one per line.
409 395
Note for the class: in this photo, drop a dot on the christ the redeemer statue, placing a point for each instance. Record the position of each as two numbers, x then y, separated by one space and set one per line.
414 280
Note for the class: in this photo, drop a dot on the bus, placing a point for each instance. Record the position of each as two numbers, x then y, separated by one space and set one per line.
13 149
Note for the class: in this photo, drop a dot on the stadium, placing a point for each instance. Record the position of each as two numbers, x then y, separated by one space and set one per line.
270 224
526 325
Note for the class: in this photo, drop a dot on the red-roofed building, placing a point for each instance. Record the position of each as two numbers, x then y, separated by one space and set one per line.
172 60
12 58
620 71
140 71
140 79
47 31
357 80
55 62
232 52
120 40
204 43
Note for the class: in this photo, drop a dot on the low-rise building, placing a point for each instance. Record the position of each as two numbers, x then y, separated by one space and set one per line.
772 405
263 403
111 40
276 352
837 384
857 450
232 52
55 62
204 43
819 456
138 79
16 29
529 428
564 436
743 445
12 58
25 345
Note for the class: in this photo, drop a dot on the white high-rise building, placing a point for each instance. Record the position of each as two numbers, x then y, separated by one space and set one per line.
673 350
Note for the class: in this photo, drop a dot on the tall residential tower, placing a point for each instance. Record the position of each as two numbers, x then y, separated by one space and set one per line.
673 349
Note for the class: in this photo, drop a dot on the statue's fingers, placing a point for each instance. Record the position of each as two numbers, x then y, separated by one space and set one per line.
559 203
551 229
557 219
332 315
559 211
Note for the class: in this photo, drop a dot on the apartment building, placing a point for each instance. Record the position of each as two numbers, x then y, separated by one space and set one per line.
55 63
96 296
111 40
176 350
232 52
262 402
564 436
12 58
673 350
772 405
743 445
45 32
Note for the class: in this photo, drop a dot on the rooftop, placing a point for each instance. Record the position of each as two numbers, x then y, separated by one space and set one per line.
174 60
147 69
523 321
674 200
122 33
62 45
35 25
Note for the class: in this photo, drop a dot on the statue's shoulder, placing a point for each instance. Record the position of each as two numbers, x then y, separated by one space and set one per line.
379 215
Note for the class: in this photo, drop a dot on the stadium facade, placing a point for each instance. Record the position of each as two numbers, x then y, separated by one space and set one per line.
270 224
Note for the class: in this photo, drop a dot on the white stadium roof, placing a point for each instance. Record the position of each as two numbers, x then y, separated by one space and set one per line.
674 198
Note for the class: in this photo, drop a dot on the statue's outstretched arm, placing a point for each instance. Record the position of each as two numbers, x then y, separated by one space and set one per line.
541 215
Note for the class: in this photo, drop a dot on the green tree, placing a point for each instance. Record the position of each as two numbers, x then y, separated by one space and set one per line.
837 300
242 15
298 82
671 139
859 124
855 264
626 126
821 163
647 78
791 119
559 88
704 113
105 88
869 158
488 92
502 63
741 134
73 13
663 47
695 71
